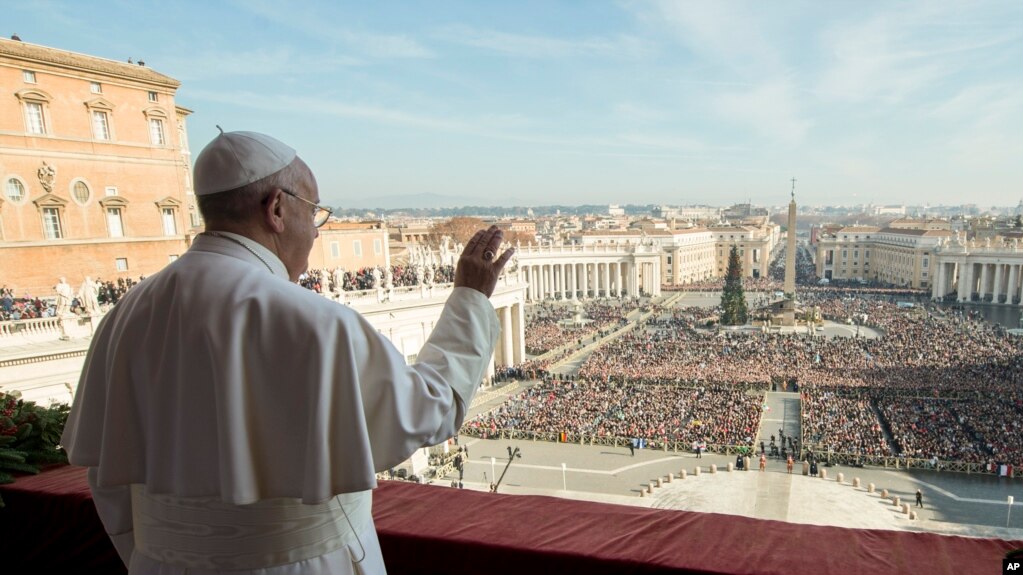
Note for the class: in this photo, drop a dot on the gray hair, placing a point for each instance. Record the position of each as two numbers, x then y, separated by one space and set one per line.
241 204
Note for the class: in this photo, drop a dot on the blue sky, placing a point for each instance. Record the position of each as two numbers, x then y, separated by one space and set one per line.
529 103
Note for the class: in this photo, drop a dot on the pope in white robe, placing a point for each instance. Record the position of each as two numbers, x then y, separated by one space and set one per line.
234 421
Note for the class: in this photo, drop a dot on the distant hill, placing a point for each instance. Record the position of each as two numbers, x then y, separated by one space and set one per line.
417 201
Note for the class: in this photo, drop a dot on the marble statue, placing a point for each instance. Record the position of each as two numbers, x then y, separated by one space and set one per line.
64 296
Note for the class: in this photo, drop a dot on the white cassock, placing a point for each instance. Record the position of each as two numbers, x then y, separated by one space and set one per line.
232 420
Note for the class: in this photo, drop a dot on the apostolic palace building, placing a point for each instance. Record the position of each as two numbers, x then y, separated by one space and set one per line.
95 166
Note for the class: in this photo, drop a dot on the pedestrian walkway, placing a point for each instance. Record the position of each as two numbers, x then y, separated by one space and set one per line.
782 412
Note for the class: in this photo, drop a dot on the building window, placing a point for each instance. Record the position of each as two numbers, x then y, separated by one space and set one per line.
95 87
51 224
100 125
114 223
28 76
378 247
80 192
15 190
34 120
193 216
156 131
121 264
335 250
170 226
154 97
357 248
925 263
110 191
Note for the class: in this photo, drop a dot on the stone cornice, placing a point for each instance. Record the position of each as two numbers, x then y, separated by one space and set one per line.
32 53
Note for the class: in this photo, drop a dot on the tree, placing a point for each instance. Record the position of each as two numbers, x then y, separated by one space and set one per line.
733 300
1019 221
460 229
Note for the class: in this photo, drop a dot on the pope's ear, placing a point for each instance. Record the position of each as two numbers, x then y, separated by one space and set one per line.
273 211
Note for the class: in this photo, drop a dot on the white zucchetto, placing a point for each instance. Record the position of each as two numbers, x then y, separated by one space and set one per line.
234 159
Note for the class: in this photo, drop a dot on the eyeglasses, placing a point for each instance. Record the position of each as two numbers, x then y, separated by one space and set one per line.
320 213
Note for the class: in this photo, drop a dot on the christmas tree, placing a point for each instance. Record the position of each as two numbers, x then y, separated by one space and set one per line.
733 300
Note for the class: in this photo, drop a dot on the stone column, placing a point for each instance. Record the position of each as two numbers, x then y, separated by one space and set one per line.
984 276
961 282
996 289
530 283
1012 290
616 283
541 279
541 294
971 279
507 336
936 281
518 327
565 286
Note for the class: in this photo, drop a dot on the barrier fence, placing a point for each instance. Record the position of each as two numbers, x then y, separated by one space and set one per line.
848 459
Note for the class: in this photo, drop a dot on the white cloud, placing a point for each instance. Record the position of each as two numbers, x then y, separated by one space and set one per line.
729 34
771 110
527 46
904 53
258 62
331 28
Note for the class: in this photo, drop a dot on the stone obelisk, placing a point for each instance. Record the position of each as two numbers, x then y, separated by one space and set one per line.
789 306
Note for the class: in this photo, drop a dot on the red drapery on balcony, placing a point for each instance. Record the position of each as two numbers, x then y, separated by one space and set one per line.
49 524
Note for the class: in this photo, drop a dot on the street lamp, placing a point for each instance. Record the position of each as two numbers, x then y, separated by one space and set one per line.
564 482
493 464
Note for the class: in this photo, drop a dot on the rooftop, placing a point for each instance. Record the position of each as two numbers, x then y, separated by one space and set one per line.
34 53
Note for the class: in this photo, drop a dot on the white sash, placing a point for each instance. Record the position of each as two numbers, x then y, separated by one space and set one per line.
206 533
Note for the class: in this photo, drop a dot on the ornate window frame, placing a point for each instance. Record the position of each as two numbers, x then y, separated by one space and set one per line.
104 106
71 191
114 203
24 186
43 99
169 203
54 202
156 113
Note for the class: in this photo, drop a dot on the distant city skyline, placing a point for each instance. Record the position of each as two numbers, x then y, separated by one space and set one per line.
646 102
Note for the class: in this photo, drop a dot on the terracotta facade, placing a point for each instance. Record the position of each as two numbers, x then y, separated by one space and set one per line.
94 165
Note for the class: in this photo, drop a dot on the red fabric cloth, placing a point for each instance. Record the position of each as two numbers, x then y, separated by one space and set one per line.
50 525
425 529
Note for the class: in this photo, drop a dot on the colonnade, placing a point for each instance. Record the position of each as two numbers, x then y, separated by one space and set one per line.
568 278
974 279
511 348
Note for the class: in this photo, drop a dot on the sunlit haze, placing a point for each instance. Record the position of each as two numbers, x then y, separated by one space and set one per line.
538 103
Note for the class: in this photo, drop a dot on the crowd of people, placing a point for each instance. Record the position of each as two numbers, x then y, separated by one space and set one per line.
14 308
323 280
549 324
934 384
661 414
